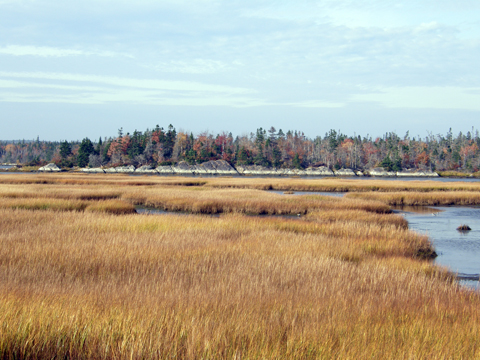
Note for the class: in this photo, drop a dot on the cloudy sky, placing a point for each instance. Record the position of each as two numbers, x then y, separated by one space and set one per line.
71 69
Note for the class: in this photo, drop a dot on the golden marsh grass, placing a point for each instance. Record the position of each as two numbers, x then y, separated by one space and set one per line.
280 184
206 200
340 185
434 198
346 280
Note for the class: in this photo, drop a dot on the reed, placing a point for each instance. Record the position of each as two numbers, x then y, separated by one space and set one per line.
280 184
346 280
421 199
457 174
98 179
104 286
360 216
214 201
44 204
340 185
57 192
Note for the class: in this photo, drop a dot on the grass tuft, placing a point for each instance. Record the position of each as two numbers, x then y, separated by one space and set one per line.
464 227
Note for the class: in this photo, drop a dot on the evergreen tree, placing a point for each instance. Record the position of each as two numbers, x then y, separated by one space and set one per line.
276 157
296 162
244 157
169 142
65 150
86 148
98 148
387 163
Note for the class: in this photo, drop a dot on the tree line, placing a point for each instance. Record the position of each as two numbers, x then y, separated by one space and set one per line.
268 148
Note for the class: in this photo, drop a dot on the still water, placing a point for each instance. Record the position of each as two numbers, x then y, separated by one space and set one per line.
459 251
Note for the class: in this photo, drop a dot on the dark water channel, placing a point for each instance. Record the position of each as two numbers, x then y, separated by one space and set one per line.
457 250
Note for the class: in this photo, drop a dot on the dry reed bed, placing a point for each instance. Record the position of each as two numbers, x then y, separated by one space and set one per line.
358 216
340 185
436 198
192 199
80 285
204 200
458 174
344 281
63 198
68 192
109 206
98 179
280 184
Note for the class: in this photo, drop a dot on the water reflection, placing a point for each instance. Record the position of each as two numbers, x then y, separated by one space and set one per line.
460 251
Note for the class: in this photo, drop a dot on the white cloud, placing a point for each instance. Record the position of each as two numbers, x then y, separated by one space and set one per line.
130 96
130 82
46 51
419 97
263 51
90 89
433 25
317 104
196 66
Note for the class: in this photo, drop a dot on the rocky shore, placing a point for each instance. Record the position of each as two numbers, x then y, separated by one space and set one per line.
221 167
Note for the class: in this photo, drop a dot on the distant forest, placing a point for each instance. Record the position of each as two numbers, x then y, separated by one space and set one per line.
268 148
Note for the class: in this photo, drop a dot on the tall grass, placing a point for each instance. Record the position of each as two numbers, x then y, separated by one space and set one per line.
207 200
421 199
346 280
280 184
458 174
340 185
104 286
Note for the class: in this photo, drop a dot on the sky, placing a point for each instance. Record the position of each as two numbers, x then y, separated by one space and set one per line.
75 69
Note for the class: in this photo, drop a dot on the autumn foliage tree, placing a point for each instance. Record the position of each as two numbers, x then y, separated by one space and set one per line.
271 148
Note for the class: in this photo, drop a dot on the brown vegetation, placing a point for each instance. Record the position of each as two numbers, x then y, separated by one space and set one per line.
340 185
434 198
346 280
458 174
224 182
207 200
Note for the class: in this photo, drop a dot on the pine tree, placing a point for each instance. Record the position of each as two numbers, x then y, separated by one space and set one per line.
65 150
86 148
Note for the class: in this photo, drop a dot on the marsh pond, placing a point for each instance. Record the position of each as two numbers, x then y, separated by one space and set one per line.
457 250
